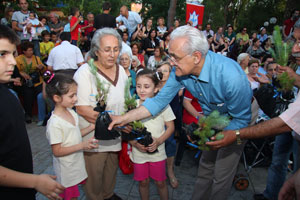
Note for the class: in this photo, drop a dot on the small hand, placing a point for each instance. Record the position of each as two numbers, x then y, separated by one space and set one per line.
153 146
92 143
139 146
17 81
229 138
25 76
47 185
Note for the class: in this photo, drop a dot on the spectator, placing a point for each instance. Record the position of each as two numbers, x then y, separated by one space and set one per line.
65 56
255 80
136 51
18 19
150 43
267 45
54 38
17 180
161 28
74 25
243 60
265 61
101 163
210 43
6 20
33 22
130 19
88 25
219 34
263 34
31 68
199 27
176 23
46 46
165 42
136 64
289 23
230 36
208 30
255 49
244 36
125 37
271 70
55 24
222 48
125 61
156 59
44 26
253 36
137 36
105 19
147 28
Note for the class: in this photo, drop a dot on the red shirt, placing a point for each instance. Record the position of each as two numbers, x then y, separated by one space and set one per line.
87 31
187 118
74 33
288 26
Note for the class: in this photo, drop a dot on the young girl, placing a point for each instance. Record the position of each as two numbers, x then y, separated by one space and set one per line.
152 165
64 134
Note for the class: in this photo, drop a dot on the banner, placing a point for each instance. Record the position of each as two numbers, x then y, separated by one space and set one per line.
194 13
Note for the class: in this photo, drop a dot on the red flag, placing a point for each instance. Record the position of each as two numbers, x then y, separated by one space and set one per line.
194 13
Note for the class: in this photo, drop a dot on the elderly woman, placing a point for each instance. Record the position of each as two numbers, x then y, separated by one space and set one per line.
243 60
136 64
31 67
101 163
156 58
125 61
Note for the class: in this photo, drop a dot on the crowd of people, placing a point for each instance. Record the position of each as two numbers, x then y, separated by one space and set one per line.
178 75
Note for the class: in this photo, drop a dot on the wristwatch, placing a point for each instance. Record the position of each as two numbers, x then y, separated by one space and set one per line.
238 137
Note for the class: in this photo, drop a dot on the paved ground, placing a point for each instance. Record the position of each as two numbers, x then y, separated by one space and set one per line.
127 188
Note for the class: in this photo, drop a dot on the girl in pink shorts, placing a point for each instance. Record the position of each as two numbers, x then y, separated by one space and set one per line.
147 161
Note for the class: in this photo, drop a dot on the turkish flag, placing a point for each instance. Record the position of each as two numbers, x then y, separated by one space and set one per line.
194 13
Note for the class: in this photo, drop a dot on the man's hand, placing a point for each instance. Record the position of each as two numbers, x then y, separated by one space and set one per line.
229 138
117 120
47 185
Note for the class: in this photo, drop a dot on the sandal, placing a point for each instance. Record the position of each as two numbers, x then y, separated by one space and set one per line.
173 182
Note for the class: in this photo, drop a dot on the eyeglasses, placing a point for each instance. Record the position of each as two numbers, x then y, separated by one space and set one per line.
173 59
245 30
124 59
110 51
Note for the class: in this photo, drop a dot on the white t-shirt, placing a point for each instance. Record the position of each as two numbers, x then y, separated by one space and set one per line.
86 94
156 126
70 170
65 56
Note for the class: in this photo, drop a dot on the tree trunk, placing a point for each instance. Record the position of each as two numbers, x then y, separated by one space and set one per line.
171 13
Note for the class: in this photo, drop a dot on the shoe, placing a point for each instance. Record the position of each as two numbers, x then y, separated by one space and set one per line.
114 197
259 197
28 119
39 123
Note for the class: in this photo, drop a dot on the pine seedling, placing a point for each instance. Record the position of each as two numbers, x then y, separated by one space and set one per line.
130 102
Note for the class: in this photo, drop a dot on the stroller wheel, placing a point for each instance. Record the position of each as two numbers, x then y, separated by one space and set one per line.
241 182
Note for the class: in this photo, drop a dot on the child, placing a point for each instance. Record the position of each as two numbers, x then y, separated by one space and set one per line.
54 38
46 46
64 134
34 23
145 164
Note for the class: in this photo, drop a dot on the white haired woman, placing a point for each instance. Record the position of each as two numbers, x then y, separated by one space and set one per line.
101 163
125 61
243 60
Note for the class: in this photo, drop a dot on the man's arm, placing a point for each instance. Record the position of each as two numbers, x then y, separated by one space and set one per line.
43 183
271 127
15 26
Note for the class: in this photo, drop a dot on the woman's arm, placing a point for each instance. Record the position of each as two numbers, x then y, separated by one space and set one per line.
88 113
87 130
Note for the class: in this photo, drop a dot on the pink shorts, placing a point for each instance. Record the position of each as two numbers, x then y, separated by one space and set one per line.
155 170
71 192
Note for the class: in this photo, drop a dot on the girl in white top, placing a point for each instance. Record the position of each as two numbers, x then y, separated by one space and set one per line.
64 134
146 163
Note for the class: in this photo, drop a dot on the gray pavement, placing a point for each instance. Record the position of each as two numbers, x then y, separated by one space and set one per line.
127 188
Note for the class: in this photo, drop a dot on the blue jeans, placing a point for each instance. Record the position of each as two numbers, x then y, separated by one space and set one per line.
41 107
170 146
284 145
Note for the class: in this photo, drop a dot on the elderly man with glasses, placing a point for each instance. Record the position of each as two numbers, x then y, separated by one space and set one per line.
218 83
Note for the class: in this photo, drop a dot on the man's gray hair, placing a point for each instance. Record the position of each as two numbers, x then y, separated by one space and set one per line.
196 41
99 34
242 57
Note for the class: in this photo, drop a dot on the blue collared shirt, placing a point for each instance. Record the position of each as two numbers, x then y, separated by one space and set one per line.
222 85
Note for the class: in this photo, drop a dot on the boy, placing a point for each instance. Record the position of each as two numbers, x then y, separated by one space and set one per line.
16 178
46 46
